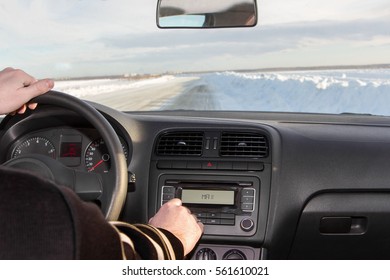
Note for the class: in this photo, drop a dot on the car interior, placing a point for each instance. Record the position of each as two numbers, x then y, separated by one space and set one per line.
266 185
281 186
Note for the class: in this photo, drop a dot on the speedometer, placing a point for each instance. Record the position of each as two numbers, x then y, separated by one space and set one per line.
35 145
97 158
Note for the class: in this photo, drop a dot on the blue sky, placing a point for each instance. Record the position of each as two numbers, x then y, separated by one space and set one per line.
68 38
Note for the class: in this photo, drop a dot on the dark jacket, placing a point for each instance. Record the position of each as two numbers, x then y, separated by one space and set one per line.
40 220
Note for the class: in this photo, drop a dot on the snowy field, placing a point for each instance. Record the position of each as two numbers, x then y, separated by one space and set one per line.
327 91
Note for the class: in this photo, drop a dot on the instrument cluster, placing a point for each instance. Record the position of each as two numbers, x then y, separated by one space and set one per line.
82 149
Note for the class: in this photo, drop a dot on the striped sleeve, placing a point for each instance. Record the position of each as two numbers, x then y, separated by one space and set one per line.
141 241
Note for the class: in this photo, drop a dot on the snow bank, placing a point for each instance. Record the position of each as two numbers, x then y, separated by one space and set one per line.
336 91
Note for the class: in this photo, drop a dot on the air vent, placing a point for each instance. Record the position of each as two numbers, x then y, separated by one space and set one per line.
180 144
243 144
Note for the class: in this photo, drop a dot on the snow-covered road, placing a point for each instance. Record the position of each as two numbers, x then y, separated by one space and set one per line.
125 94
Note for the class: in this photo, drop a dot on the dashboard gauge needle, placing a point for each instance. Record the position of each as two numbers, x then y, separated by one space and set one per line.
96 165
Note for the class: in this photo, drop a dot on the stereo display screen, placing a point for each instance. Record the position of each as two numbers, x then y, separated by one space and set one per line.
216 197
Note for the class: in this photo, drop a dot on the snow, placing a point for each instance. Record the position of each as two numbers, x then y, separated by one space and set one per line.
331 91
361 91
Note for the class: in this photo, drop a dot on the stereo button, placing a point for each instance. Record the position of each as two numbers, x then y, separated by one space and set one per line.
227 222
227 216
168 196
247 199
213 215
247 206
213 221
248 192
247 225
200 215
168 189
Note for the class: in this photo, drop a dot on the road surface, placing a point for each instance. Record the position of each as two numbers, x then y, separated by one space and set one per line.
195 96
171 94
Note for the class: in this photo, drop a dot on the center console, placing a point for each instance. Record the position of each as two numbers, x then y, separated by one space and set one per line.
224 178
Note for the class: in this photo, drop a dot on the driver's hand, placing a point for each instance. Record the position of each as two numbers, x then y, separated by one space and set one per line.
17 88
178 219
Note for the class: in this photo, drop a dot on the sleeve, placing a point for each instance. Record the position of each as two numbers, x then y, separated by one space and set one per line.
142 241
139 241
128 241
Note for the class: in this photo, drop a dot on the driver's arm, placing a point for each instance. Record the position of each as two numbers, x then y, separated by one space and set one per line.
171 234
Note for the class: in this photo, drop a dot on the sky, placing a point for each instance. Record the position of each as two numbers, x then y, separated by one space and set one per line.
72 38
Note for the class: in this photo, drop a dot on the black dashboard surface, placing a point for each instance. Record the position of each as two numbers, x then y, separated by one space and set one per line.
321 189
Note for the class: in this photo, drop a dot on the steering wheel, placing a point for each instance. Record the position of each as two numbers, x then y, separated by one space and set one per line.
111 189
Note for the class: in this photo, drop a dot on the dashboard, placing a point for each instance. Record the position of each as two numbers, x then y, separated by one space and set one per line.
266 185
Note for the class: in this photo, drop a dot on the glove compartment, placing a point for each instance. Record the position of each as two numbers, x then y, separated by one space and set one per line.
344 226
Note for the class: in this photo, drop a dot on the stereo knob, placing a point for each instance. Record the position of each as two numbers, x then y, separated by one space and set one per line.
247 224
206 254
234 255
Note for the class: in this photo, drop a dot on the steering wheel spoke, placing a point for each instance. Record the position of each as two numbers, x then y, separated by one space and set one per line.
88 186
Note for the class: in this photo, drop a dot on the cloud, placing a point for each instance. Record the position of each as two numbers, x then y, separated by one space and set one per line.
204 44
120 36
281 11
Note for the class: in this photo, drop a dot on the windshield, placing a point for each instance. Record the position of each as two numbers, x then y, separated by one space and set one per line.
303 56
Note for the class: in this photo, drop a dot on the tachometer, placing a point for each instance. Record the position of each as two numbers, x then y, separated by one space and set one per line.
97 158
35 145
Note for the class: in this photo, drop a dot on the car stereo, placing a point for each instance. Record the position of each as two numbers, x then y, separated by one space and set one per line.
228 208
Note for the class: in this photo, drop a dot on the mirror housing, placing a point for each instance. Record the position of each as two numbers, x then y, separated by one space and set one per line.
206 13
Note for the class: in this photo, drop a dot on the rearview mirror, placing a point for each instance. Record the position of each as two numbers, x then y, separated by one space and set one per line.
206 13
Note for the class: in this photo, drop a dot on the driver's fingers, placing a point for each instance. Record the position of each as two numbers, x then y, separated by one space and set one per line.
176 202
32 106
36 88
22 109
